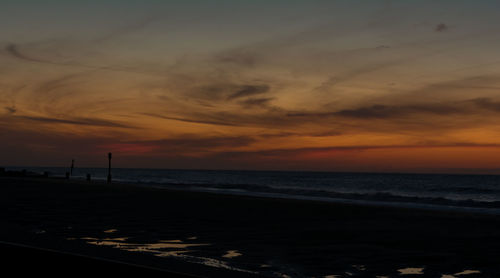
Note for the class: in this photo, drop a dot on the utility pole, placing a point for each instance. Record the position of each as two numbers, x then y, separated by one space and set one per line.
109 168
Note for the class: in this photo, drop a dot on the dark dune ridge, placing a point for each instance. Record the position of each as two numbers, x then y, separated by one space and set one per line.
215 235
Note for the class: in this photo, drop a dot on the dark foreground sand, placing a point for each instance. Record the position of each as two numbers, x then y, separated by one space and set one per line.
273 236
25 261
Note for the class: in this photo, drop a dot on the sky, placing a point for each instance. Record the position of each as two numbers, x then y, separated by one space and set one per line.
378 86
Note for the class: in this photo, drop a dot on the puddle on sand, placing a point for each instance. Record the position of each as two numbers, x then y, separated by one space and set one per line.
173 253
136 247
165 248
465 272
231 254
359 267
411 270
106 239
156 247
172 241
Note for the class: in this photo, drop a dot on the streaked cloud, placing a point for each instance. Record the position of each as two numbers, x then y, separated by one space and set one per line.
14 51
72 121
441 27
249 90
256 102
200 121
10 109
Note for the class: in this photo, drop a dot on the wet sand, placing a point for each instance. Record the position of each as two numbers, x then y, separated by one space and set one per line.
215 235
20 261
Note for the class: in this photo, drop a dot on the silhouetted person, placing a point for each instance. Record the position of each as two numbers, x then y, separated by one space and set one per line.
72 166
109 168
67 175
88 177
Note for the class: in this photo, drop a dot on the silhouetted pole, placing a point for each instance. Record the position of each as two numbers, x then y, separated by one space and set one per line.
109 168
72 166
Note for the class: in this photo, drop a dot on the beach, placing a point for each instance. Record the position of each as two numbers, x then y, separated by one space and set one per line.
27 260
221 235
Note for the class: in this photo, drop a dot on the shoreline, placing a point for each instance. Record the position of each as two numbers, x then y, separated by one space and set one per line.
299 238
398 202
353 201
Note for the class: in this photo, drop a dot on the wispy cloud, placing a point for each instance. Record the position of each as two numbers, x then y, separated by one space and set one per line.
184 145
381 111
73 121
441 27
249 90
10 109
126 29
197 121
13 50
256 102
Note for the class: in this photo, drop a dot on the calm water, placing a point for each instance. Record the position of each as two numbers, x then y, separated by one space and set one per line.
435 189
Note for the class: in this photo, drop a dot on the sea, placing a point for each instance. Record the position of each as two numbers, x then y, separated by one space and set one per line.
474 193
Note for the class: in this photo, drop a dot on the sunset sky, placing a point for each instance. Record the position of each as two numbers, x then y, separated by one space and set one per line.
273 85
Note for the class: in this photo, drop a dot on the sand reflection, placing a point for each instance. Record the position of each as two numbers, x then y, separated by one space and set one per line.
359 267
411 270
231 254
465 272
158 248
